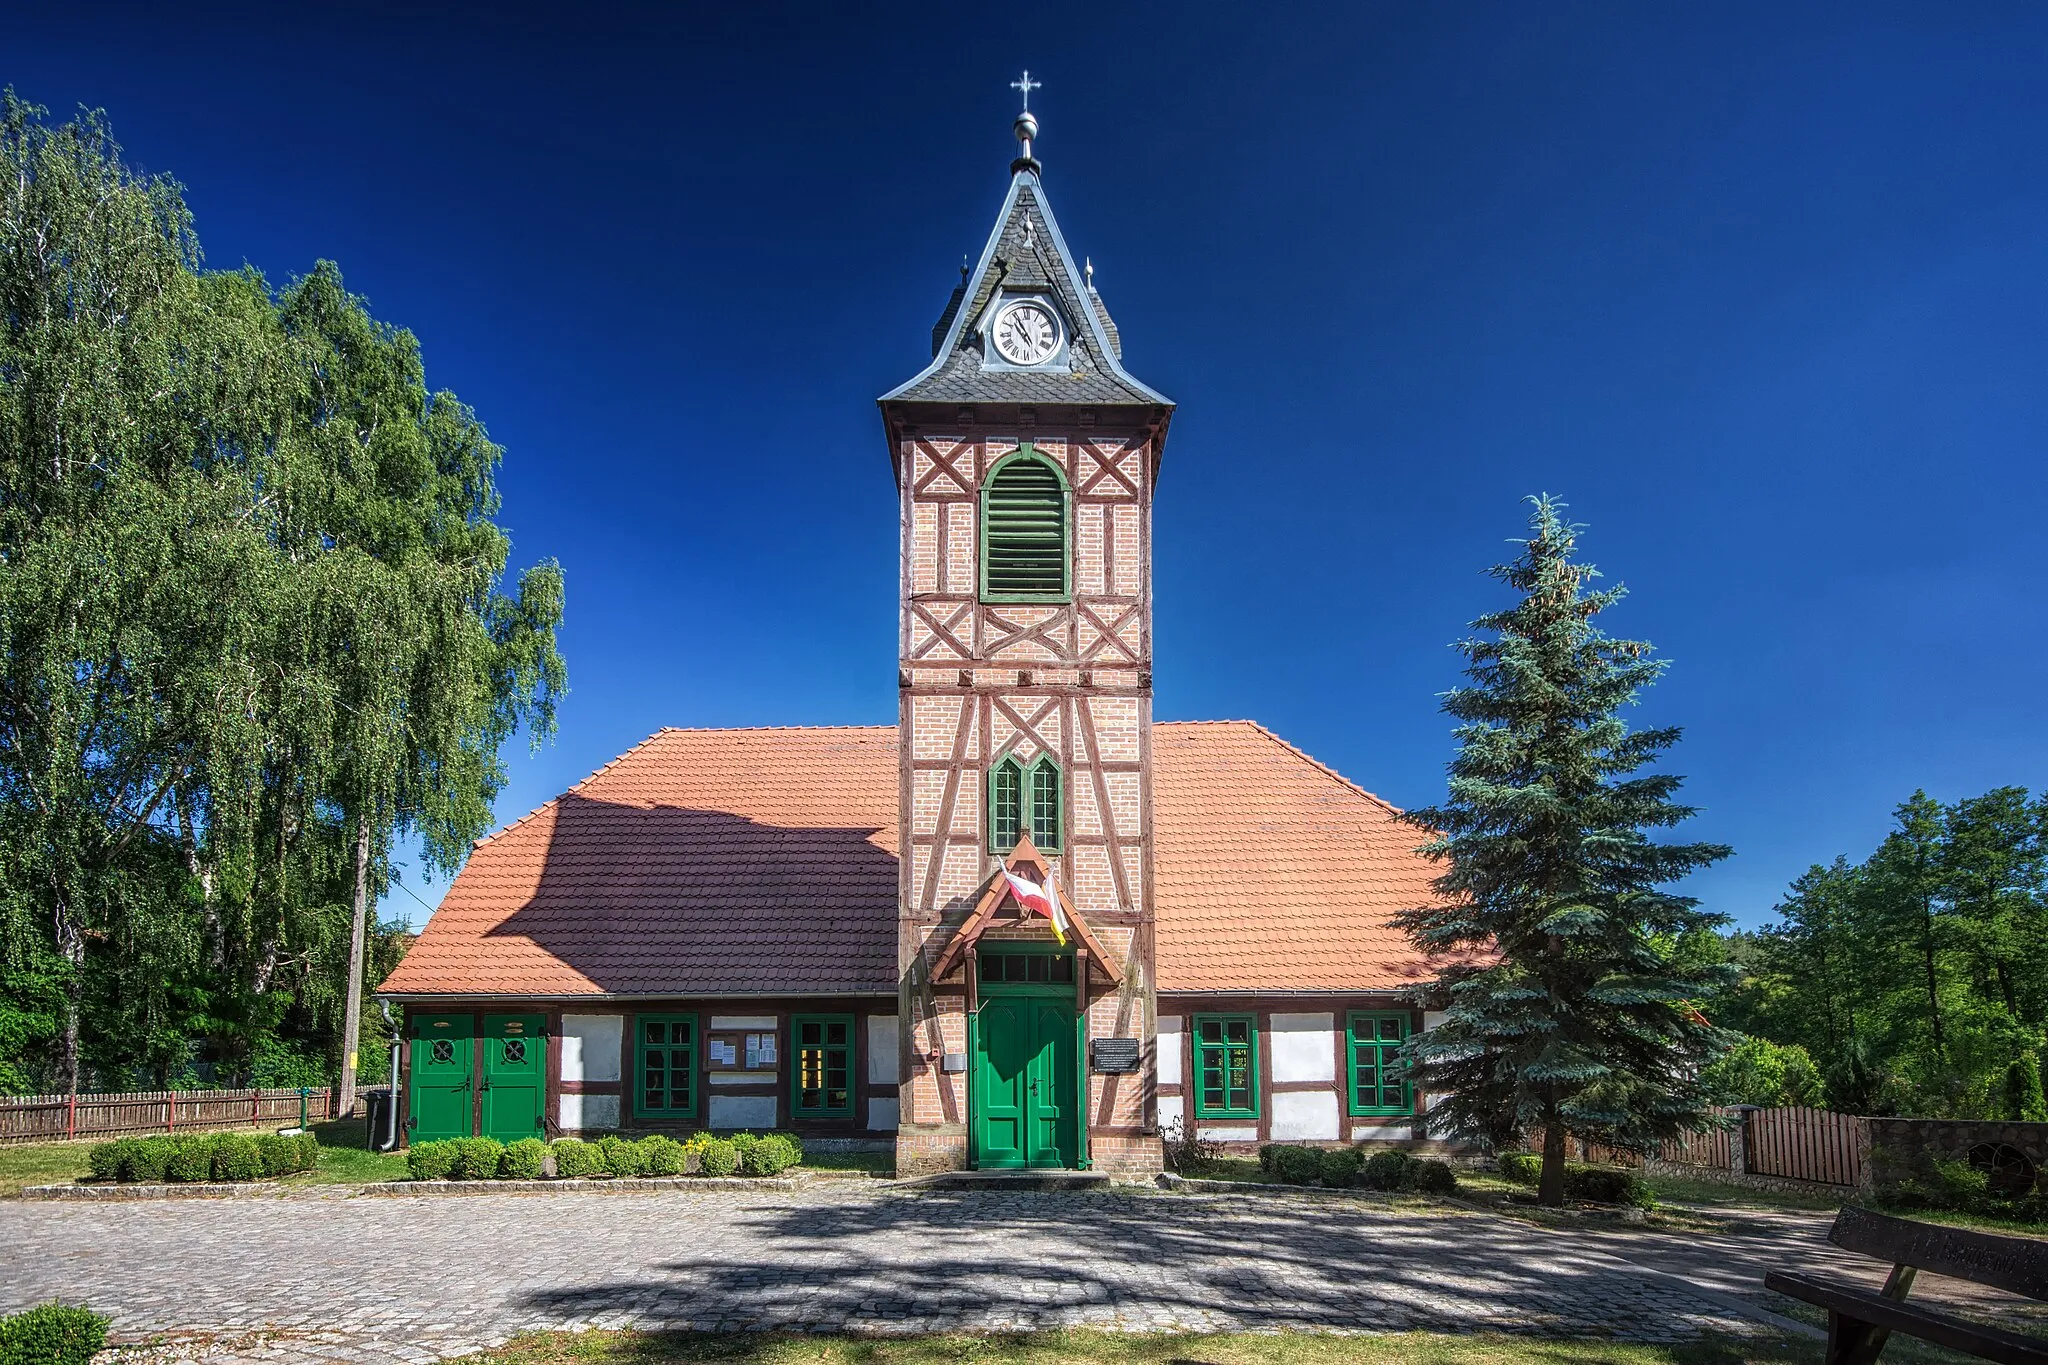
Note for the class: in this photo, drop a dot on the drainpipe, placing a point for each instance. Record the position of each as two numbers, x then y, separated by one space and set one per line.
391 1108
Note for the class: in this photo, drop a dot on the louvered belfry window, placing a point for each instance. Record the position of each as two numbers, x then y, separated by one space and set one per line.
1024 531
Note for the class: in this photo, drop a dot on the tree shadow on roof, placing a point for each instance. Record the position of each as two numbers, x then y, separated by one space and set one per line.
648 900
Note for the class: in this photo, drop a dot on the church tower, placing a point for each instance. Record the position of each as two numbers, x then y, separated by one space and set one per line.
1025 457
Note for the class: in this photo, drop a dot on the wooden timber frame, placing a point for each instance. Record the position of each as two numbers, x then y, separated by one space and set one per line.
995 895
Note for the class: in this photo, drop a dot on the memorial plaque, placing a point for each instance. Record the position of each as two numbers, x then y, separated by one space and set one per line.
1113 1056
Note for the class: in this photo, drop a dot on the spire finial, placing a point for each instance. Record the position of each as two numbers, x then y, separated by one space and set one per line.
1088 271
1026 126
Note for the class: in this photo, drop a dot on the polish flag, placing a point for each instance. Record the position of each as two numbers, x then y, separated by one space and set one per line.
1058 913
1030 895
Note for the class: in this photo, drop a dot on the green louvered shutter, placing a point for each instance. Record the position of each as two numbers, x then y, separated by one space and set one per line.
1024 532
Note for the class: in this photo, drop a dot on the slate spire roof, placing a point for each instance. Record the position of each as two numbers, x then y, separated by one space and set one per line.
1026 253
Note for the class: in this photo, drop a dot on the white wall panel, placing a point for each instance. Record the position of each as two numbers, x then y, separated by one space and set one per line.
1169 1053
882 1049
592 1045
583 1112
1431 1018
753 1021
882 1115
1304 1047
1234 1133
1382 1132
743 1111
1305 1116
1170 1110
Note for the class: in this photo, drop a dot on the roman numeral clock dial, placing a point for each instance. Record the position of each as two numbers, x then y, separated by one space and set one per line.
1026 334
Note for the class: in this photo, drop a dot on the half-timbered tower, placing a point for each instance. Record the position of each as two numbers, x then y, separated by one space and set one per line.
1025 455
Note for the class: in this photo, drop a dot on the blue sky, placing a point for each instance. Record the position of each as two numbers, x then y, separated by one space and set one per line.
1760 289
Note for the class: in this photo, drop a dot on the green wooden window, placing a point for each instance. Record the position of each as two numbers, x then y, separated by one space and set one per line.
1024 516
1226 1066
823 1065
1026 969
1016 792
1379 1078
665 1065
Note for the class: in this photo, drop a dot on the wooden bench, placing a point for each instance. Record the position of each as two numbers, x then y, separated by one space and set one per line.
1861 1320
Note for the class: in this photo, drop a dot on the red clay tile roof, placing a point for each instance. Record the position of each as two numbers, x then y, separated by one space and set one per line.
697 863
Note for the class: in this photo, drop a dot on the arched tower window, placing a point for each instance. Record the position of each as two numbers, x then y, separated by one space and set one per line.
1024 524
1021 797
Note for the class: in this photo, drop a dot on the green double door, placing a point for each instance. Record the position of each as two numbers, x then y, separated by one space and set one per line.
1025 1096
467 1080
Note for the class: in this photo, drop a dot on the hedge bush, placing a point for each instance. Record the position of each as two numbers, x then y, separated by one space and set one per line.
236 1157
1266 1153
1523 1168
1297 1165
52 1334
576 1159
280 1155
430 1160
622 1158
663 1156
1340 1166
721 1156
1436 1177
523 1160
476 1158
191 1161
1391 1169
1608 1185
770 1155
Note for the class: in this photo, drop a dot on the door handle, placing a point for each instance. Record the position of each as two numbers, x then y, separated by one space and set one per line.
485 1086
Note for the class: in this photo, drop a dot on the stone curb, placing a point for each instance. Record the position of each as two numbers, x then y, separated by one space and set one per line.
682 1184
241 1189
1168 1180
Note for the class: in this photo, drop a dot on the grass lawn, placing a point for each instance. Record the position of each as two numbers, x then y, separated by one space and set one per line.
41 1163
345 1159
1113 1348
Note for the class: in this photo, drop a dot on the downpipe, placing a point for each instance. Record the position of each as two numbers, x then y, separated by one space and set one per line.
391 1108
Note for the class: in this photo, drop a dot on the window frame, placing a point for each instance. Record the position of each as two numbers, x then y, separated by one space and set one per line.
1353 1045
1027 799
797 1108
638 1079
1203 1109
1026 450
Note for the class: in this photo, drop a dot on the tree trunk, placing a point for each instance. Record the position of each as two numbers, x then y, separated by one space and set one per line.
1550 1189
352 1016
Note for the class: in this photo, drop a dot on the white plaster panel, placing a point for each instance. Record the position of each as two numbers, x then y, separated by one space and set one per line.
1305 1116
1431 1018
743 1111
591 1046
1212 1133
1382 1132
741 1077
882 1115
583 1112
1304 1047
755 1021
1171 1108
1169 1053
882 1049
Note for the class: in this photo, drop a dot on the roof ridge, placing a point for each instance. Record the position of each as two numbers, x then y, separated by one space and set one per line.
742 730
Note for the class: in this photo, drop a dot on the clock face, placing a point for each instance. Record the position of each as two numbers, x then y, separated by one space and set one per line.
1026 333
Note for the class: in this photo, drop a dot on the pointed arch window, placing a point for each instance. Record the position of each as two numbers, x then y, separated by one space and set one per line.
1025 516
1021 797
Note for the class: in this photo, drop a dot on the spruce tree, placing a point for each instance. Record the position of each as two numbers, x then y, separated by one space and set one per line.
1568 1001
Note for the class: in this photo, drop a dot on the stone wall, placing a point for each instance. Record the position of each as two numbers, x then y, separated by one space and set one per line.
1897 1146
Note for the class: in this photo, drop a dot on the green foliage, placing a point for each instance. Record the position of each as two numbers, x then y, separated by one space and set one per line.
103 1162
1339 1167
576 1159
1267 1151
1523 1168
523 1160
1297 1165
1390 1169
621 1157
795 1142
430 1160
147 1161
1760 1072
309 1150
476 1158
770 1155
1436 1177
2024 1102
52 1334
236 1157
1608 1185
662 1156
720 1157
280 1154
253 608
1568 1001
191 1161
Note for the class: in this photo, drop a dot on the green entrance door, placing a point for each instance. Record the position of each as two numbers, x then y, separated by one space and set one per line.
439 1101
1025 1098
515 1076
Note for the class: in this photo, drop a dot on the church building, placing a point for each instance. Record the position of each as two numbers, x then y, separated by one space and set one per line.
1025 927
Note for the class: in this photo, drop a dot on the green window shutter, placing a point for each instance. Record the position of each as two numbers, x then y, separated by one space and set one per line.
1378 1077
1045 805
1024 531
1005 806
1226 1066
665 1065
823 1068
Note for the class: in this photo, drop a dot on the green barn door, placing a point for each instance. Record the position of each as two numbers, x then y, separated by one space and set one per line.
1024 1097
440 1097
515 1080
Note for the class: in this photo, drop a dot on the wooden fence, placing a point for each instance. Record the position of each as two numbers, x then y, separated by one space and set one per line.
1711 1148
1804 1144
50 1118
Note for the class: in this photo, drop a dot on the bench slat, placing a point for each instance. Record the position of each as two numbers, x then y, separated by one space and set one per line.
1943 1329
2018 1265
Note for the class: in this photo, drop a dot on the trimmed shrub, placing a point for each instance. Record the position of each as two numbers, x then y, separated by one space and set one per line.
1340 1166
309 1150
280 1154
191 1161
1436 1177
1297 1165
721 1156
52 1334
770 1155
796 1143
146 1160
1392 1169
523 1159
103 1162
1608 1185
1523 1168
621 1158
476 1158
430 1160
576 1159
1266 1153
236 1157
662 1156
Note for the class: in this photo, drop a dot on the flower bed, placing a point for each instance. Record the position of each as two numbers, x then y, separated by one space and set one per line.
202 1158
615 1157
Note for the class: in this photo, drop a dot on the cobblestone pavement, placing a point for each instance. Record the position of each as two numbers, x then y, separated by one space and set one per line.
392 1279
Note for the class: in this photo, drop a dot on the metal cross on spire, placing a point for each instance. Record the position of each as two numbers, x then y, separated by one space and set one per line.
1027 85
